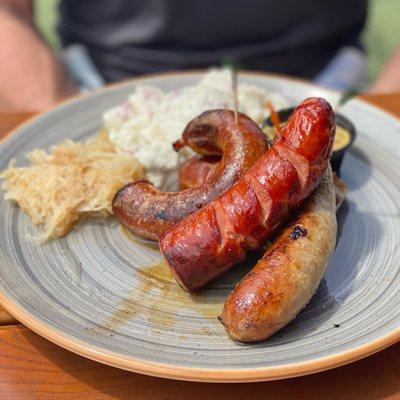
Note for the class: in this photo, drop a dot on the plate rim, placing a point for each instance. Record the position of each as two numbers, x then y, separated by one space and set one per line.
171 371
197 374
177 73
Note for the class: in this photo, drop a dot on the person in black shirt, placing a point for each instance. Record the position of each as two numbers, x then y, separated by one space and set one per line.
131 37
121 38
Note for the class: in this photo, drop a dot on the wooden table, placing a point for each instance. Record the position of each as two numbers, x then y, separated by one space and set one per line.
33 368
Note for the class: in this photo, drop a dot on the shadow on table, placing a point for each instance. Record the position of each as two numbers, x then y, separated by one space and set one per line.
365 379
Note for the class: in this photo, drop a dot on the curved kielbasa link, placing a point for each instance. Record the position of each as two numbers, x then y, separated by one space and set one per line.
212 240
149 212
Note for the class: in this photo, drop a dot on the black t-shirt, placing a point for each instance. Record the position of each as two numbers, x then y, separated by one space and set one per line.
130 37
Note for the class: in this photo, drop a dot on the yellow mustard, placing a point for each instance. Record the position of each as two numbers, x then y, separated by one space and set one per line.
342 138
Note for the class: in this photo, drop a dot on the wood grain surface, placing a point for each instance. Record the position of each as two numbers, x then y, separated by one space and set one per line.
33 368
9 121
6 318
388 102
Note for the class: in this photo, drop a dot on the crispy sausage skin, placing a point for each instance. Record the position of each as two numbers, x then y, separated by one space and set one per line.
287 276
149 212
216 237
195 171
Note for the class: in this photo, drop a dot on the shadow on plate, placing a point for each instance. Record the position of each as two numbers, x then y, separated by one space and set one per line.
363 178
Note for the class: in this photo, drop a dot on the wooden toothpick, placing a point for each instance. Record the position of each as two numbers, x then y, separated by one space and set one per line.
235 93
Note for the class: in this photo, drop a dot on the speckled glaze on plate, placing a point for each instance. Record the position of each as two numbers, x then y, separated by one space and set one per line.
106 295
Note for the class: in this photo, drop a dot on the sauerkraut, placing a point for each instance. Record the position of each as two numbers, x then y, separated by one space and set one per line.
69 182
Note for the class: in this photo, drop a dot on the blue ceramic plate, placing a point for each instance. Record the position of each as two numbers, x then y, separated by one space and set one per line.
106 295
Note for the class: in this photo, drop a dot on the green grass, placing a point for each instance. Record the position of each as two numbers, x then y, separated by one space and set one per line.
382 34
380 37
46 16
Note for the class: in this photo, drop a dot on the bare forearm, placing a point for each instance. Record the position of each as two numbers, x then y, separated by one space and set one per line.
389 78
31 78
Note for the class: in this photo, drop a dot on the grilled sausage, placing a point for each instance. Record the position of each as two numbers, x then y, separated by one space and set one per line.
149 212
287 276
212 240
195 171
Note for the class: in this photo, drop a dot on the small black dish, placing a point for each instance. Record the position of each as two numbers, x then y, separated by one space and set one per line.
342 121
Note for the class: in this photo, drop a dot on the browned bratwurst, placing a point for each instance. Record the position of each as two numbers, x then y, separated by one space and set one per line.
287 276
150 212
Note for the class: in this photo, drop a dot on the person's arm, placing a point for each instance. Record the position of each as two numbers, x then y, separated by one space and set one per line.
389 78
31 77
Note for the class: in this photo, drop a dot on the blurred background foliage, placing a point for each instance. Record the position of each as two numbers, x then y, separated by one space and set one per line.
380 37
